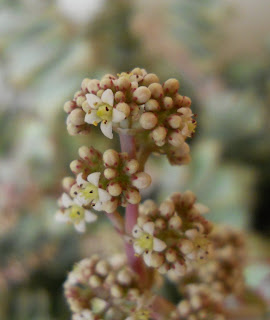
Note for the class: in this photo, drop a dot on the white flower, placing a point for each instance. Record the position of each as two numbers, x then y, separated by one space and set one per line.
145 242
189 125
83 315
102 110
91 193
74 213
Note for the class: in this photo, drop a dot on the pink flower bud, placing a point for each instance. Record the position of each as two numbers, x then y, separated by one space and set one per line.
152 105
93 86
176 139
148 120
174 121
106 84
119 96
159 134
167 103
141 180
69 106
123 83
133 196
114 189
76 117
76 166
132 166
171 86
111 158
175 222
186 102
110 173
123 107
110 206
150 78
167 208
141 95
84 85
156 90
80 100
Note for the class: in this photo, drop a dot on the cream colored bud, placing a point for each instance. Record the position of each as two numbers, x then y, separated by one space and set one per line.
186 246
124 277
171 86
167 103
93 86
123 107
186 102
77 94
180 269
188 198
163 269
137 71
109 76
171 255
84 152
95 281
133 196
123 83
159 134
148 208
80 100
100 92
178 100
114 189
196 302
176 139
152 105
175 222
69 106
67 183
116 291
133 293
157 259
141 180
135 111
174 121
76 117
106 84
148 120
192 233
110 279
84 84
160 224
141 221
110 206
72 129
74 191
150 78
76 166
110 173
85 106
141 95
184 308
119 96
102 268
98 305
111 158
156 90
167 208
132 166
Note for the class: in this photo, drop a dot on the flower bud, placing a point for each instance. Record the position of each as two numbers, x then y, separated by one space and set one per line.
171 255
159 134
77 94
141 95
84 84
69 106
100 92
110 206
157 259
186 102
133 196
76 117
98 305
106 84
132 166
186 246
85 106
156 90
178 100
102 268
84 152
95 281
188 198
171 86
167 103
138 71
93 86
167 208
116 291
175 222
148 120
184 308
160 224
123 107
67 183
110 173
148 208
176 139
142 180
150 78
152 105
123 83
76 166
196 302
111 158
80 100
119 96
174 121
124 277
114 189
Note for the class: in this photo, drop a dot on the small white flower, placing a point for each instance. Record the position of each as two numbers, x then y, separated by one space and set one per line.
91 193
102 110
189 125
145 242
74 213
83 315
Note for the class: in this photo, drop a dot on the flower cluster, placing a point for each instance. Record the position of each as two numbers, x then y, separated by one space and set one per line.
136 103
173 236
199 303
103 182
105 289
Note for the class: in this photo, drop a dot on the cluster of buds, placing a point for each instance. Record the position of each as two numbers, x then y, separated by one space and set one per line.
199 303
104 289
174 236
103 182
139 104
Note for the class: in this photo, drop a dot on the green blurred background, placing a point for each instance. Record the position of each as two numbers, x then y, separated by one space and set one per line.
220 52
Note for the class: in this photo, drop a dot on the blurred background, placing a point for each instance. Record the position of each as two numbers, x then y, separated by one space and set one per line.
220 52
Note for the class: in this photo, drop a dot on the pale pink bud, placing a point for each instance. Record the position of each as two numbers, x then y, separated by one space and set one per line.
192 233
157 259
93 86
69 106
188 198
164 268
186 102
133 196
168 103
171 255
117 291
171 86
106 84
184 308
123 83
77 94
176 139
72 129
150 78
95 281
124 277
114 189
67 183
132 166
141 95
76 166
160 224
152 105
174 121
84 84
159 134
156 90
111 158
178 100
138 71
142 180
186 246
84 152
76 117
119 96
80 100
102 268
167 208
85 106
148 208
175 222
110 206
148 120
123 107
180 268
110 173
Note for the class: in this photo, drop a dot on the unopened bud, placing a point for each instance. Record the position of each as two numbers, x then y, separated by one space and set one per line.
157 259
156 90
67 183
106 84
69 106
76 166
84 152
124 277
80 100
167 208
110 173
93 86
167 103
123 83
160 224
132 166
152 105
176 139
148 120
186 102
76 117
171 86
123 107
111 158
188 198
159 134
171 255
142 180
100 92
114 189
174 121
84 84
95 281
74 191
102 268
85 106
110 206
133 196
119 96
178 100
116 291
141 95
175 222
184 308
150 78
186 246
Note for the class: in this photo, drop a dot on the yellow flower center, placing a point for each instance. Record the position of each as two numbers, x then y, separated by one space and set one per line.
142 315
90 192
145 241
192 126
104 112
125 75
76 213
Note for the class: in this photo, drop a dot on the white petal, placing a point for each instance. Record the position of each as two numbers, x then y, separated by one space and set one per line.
106 129
98 206
61 216
66 200
90 216
117 116
80 226
82 201
137 231
159 245
103 195
149 227
147 257
93 100
94 178
138 249
80 181
108 97
92 117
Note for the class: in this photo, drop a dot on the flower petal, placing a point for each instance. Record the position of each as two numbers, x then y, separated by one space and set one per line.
80 181
117 116
93 100
98 206
103 195
90 216
147 257
92 117
94 178
82 201
106 128
66 200
158 245
80 226
108 97
137 231
137 248
61 217
149 227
